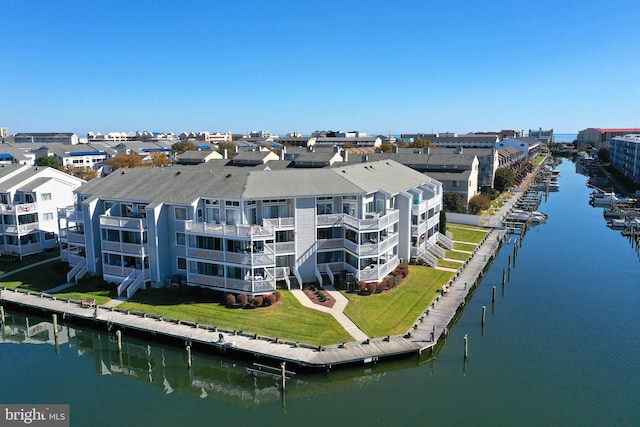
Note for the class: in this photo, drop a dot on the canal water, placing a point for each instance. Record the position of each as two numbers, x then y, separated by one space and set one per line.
559 347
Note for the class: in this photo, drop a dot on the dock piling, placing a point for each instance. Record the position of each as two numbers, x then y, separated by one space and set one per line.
119 340
484 312
493 296
466 347
55 324
189 356
1 315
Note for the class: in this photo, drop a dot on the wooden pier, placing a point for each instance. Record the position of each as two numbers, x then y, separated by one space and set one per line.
423 335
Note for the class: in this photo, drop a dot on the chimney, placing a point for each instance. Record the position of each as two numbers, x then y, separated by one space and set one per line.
283 151
426 150
345 155
395 149
365 158
336 149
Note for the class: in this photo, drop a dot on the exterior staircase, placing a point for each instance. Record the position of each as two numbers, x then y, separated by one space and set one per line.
326 280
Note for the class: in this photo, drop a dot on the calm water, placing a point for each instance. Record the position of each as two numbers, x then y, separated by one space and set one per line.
560 347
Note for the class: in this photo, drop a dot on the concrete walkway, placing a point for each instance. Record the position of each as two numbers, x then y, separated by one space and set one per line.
337 311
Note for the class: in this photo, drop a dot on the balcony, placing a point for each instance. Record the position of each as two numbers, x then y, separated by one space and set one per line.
120 271
373 222
20 229
130 223
256 259
418 207
283 247
20 208
419 229
255 284
246 231
70 214
374 272
371 248
280 223
121 247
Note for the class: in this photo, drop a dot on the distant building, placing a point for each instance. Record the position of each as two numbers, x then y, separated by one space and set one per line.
600 136
527 145
625 155
341 141
542 135
4 133
46 138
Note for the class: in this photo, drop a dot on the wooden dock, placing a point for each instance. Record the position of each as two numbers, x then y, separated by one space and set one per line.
423 335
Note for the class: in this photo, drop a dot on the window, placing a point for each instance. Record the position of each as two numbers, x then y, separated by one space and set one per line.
49 236
46 196
182 263
181 213
180 239
47 216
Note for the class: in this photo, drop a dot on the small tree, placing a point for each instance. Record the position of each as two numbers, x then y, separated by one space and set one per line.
159 159
478 203
125 161
603 155
443 222
49 161
421 143
386 147
229 147
85 172
182 146
503 179
453 202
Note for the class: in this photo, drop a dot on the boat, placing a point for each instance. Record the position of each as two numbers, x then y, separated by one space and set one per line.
549 184
618 223
603 198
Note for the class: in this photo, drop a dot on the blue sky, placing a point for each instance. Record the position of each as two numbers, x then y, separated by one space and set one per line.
284 66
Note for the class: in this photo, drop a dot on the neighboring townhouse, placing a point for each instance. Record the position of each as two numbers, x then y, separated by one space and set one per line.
600 136
455 169
196 157
341 141
241 230
29 199
510 157
528 146
625 156
311 156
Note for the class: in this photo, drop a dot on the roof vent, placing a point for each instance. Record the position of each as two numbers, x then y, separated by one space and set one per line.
178 173
123 172
228 175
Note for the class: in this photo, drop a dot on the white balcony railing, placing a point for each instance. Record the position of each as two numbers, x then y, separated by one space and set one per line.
367 224
237 230
121 247
279 223
70 214
256 259
123 222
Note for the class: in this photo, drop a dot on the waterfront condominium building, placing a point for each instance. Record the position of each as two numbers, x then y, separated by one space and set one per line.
241 230
29 200
625 155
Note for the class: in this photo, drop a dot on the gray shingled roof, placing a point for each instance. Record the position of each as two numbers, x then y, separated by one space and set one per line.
180 184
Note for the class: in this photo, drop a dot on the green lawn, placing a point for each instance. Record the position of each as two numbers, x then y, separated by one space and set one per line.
39 278
394 312
467 233
464 246
6 266
90 287
449 264
288 321
461 256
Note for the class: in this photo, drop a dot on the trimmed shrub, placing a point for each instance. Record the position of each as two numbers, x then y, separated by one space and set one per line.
372 287
229 300
278 295
242 299
257 301
269 300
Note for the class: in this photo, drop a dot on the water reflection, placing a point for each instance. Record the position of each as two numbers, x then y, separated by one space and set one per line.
210 376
